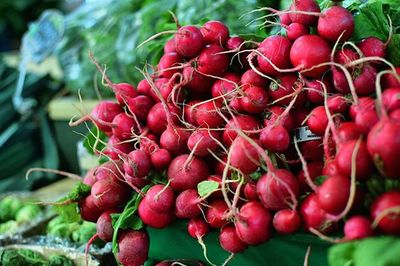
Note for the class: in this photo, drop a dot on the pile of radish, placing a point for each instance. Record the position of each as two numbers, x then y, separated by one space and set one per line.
248 138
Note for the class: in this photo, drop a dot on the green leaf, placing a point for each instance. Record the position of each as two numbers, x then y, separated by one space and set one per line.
206 188
92 142
256 175
320 180
371 21
79 191
342 254
394 50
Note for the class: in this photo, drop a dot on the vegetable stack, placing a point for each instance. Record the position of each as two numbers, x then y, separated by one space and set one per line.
298 131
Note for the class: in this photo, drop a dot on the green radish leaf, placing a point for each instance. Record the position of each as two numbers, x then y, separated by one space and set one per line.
394 49
92 140
320 180
371 21
342 254
206 188
255 175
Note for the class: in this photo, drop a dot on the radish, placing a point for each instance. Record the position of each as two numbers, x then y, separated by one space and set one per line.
285 18
277 50
137 164
133 248
207 114
174 140
88 209
308 51
144 88
160 159
313 216
286 221
340 82
295 30
186 172
187 204
395 115
333 22
188 41
111 170
123 92
275 138
169 46
314 170
90 178
201 142
124 126
140 106
157 119
286 84
107 194
364 166
242 122
318 121
215 32
305 6
372 46
255 99
334 193
384 147
330 169
160 198
364 104
358 227
196 82
215 213
275 112
391 99
250 77
253 223
366 120
278 189
197 228
153 218
190 112
390 81
312 150
337 104
387 221
168 63
212 61
364 82
222 86
347 131
229 240
234 43
244 156
250 191
104 226
216 178
345 56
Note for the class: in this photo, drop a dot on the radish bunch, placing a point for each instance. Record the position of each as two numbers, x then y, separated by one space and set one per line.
222 112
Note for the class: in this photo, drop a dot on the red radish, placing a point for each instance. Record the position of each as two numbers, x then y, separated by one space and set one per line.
250 191
244 156
187 204
115 147
333 22
223 87
160 159
255 99
111 170
285 18
153 218
104 226
137 164
295 30
196 82
157 120
286 84
220 166
312 150
207 114
250 77
337 104
364 104
358 227
364 166
330 169
133 248
388 223
384 147
243 122
278 189
316 92
372 46
189 113
391 99
345 56
253 223
364 83
366 120
215 213
123 92
160 198
197 228
313 216
395 115
318 120
140 106
340 82
286 221
304 57
107 194
274 112
174 140
229 240
216 178
148 143
390 81
124 127
168 63
215 32
212 61
201 142
188 41
275 138
347 131
166 88
90 178
186 172
304 6
334 193
276 49
88 209
314 170
169 46
234 42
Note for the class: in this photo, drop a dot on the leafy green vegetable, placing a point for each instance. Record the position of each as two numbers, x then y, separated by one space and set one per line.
320 179
27 213
9 206
8 227
371 21
84 232
60 260
206 188
92 142
394 50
